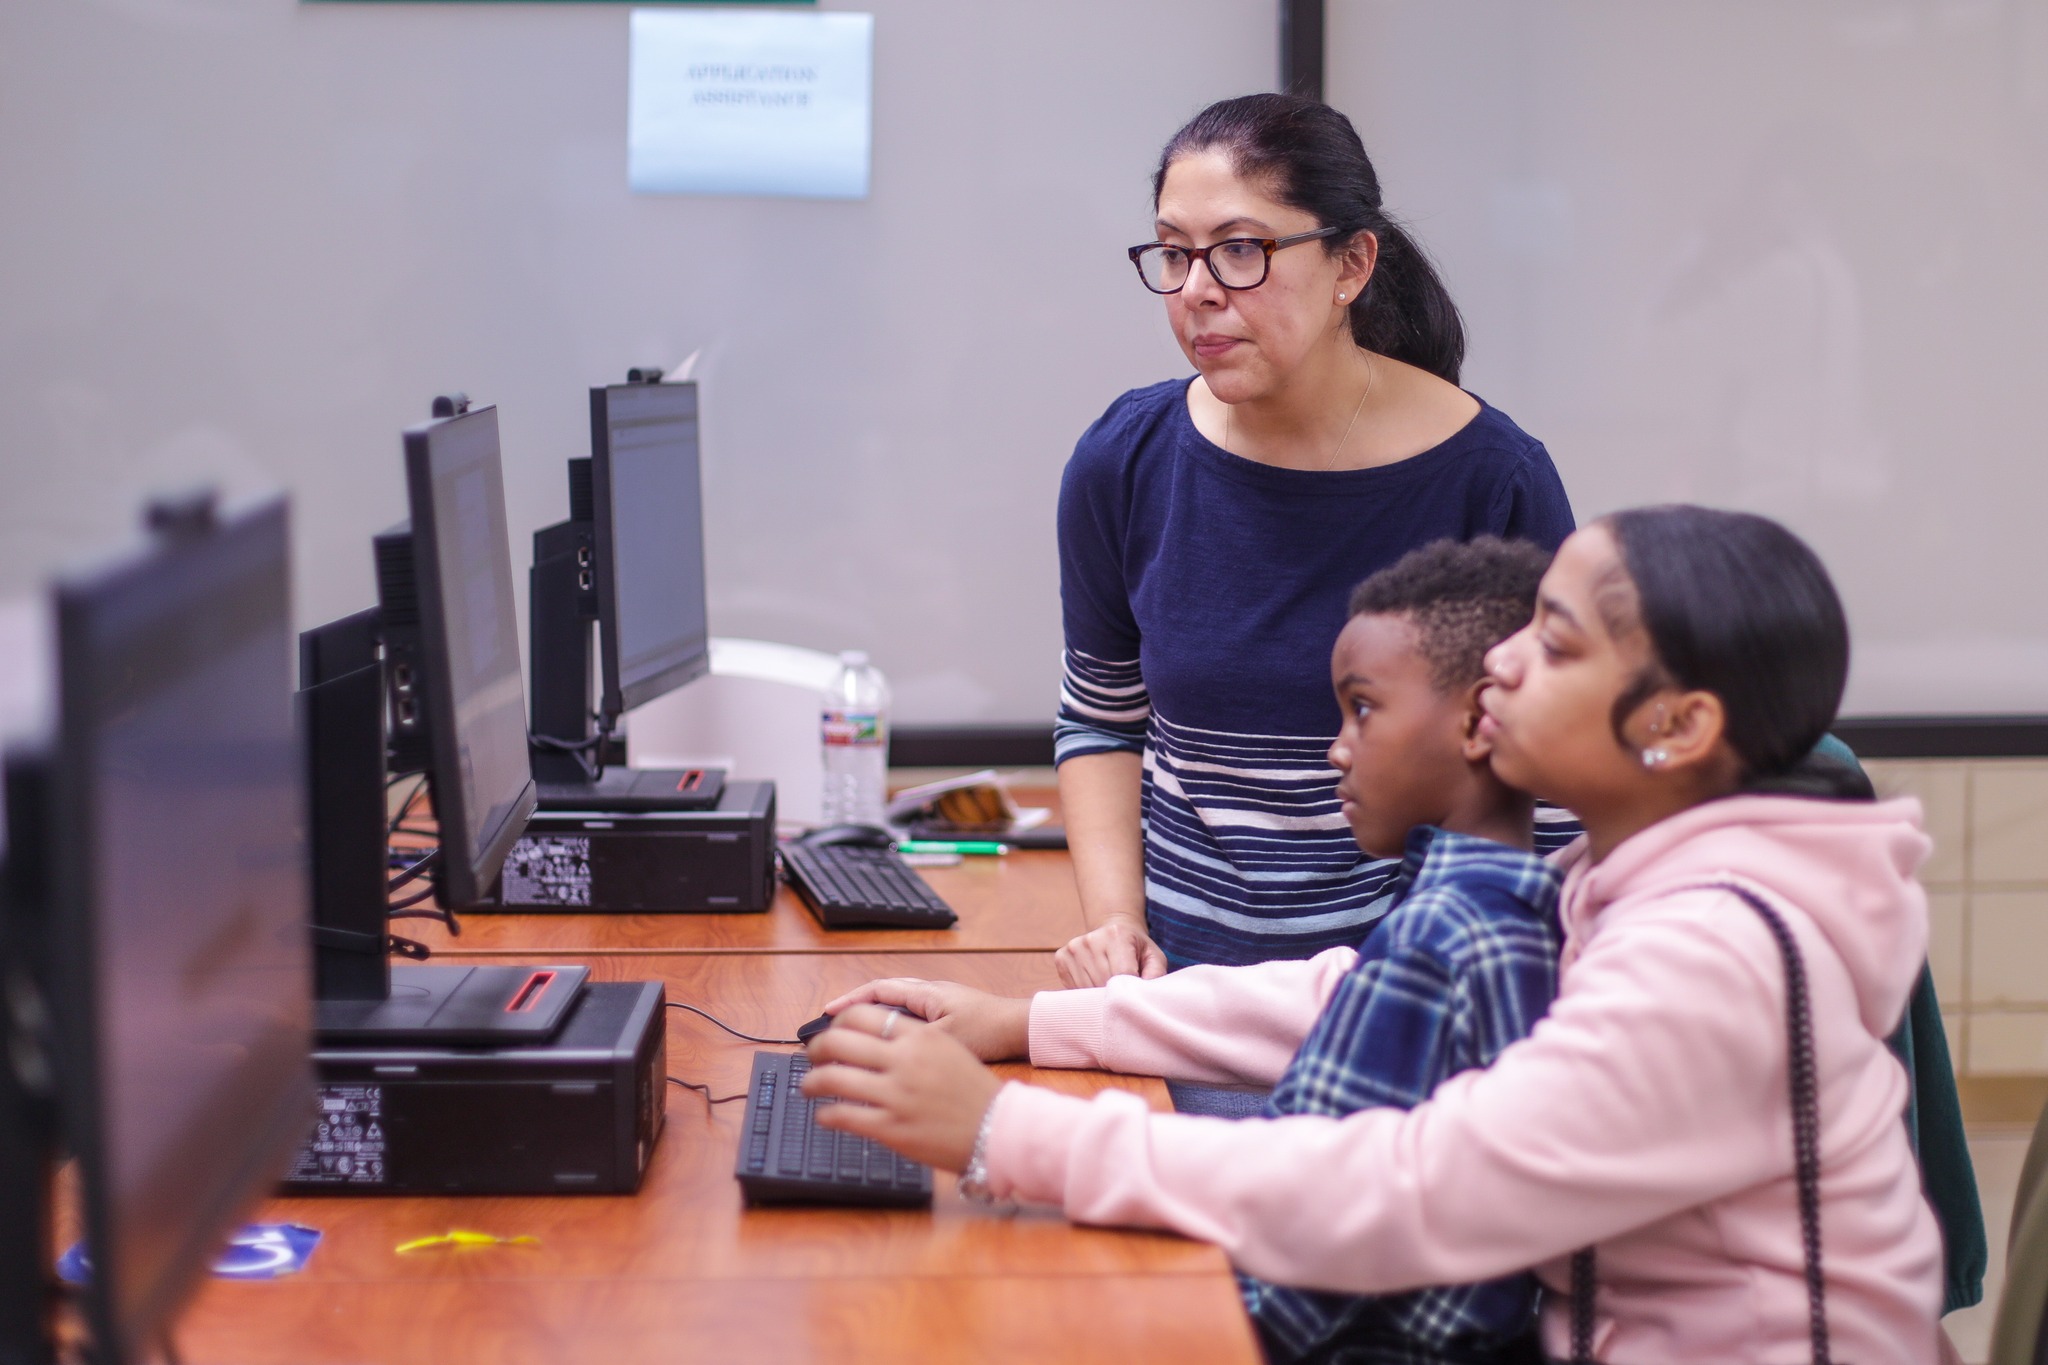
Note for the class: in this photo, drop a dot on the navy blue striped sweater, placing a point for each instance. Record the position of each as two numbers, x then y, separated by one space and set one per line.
1201 593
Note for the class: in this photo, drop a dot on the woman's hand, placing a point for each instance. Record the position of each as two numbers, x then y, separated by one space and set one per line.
993 1027
916 1090
1118 948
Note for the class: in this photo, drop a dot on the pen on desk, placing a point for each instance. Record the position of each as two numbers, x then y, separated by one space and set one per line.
984 846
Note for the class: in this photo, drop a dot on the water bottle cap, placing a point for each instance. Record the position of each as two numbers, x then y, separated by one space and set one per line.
854 658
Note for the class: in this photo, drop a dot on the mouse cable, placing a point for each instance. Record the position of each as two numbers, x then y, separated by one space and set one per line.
705 1091
679 1005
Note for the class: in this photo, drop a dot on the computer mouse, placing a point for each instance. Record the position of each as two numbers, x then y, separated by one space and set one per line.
808 1031
860 836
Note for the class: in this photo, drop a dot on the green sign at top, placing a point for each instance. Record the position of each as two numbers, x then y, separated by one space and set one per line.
564 2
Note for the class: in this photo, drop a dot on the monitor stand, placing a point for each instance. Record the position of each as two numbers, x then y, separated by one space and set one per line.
637 790
360 998
456 1007
561 609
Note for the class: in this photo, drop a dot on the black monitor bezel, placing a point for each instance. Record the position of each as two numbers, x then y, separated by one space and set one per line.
459 882
73 925
619 697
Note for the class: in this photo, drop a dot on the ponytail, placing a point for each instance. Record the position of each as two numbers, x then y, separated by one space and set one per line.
1312 159
1405 311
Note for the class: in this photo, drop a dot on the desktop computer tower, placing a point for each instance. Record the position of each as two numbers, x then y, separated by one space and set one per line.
720 860
578 1114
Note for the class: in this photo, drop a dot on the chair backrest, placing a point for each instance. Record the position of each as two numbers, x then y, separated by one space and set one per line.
2016 1335
2030 1175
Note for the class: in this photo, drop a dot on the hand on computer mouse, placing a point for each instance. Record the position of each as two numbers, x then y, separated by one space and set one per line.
813 1027
995 1028
917 1090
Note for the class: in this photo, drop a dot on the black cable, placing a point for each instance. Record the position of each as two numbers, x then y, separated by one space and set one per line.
581 749
446 917
404 807
705 1091
679 1005
448 921
567 746
413 871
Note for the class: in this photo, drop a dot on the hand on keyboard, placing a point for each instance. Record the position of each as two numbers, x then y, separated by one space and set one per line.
786 1157
921 1092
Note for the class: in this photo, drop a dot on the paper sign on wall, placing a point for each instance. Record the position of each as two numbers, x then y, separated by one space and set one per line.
722 102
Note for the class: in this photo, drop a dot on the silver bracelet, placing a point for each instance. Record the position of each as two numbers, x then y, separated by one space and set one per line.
974 1180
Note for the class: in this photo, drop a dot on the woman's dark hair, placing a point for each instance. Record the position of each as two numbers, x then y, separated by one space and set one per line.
1310 156
1737 605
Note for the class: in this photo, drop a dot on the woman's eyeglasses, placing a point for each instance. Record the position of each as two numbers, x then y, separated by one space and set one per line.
1237 263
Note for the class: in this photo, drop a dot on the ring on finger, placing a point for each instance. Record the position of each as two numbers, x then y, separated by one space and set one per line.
889 1024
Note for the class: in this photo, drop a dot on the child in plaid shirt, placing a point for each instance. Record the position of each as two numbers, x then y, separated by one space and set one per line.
1464 966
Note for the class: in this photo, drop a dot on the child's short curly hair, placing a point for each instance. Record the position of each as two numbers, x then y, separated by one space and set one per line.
1463 598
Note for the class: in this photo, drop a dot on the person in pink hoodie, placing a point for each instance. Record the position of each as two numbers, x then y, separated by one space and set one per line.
1640 1148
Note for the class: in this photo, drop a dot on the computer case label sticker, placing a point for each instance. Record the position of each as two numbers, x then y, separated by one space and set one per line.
547 869
348 1145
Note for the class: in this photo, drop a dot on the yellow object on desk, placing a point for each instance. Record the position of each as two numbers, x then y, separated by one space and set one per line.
458 1237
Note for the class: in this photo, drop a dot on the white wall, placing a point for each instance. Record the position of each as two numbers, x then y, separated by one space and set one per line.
252 238
1786 255
1782 254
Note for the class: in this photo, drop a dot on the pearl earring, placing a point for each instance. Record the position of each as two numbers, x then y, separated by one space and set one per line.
1340 298
1656 758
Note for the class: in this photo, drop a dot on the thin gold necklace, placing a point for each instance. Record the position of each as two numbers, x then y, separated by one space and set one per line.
1330 463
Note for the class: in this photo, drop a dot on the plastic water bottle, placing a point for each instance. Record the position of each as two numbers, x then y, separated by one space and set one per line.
854 728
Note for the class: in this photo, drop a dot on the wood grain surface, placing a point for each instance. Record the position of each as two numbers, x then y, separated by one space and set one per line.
855 1320
1022 901
684 1270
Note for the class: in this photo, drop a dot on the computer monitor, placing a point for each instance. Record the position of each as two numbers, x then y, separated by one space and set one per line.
453 649
428 681
648 511
159 891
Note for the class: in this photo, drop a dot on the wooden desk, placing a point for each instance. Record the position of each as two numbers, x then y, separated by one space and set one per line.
1023 901
684 1271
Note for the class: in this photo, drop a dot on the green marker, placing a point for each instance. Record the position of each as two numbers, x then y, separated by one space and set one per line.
984 846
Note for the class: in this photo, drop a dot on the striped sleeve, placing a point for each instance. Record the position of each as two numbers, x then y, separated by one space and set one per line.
1103 707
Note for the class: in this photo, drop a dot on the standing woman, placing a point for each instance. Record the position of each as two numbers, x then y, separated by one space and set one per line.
1210 530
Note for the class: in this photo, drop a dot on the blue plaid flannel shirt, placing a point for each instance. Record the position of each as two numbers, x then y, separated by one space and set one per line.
1464 965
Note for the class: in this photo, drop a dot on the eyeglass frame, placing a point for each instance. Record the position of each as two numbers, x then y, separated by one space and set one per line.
1201 253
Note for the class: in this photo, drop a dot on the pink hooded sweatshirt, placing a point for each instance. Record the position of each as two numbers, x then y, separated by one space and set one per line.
1647 1114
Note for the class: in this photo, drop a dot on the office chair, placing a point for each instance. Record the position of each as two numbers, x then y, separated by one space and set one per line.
2016 1332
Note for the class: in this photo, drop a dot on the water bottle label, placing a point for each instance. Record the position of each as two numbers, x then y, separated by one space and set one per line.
853 729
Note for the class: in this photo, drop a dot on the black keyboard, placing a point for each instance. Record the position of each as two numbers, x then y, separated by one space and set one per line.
786 1158
851 888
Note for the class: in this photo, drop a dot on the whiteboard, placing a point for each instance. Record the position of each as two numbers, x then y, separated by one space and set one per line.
250 239
1790 257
